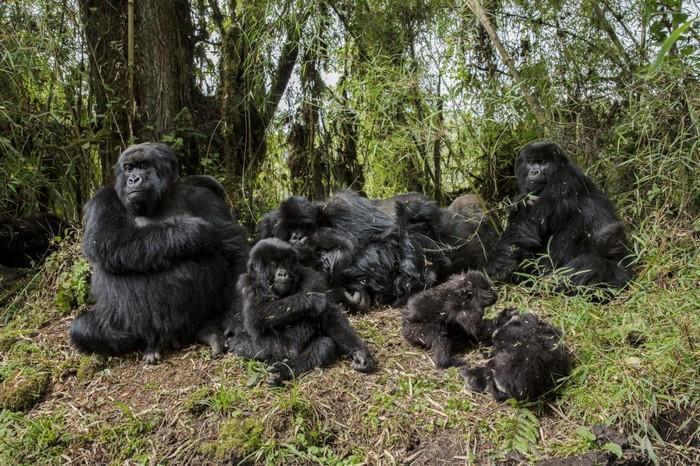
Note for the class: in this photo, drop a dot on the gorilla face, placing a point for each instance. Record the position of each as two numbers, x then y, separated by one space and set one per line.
476 290
299 219
144 172
536 164
275 263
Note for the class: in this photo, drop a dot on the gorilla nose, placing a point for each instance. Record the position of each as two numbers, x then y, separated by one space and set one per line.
133 181
296 237
282 275
535 172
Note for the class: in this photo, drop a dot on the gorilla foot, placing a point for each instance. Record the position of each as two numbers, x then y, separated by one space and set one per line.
152 357
213 338
279 372
363 361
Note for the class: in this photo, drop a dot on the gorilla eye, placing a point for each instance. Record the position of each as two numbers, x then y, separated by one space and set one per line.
127 167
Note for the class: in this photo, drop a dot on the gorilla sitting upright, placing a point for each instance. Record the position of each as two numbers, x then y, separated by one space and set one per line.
560 212
289 322
165 255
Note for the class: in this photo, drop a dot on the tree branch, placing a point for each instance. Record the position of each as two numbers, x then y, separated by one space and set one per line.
217 16
285 66
532 102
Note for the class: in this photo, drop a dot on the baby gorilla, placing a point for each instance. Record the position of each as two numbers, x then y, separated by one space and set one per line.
288 320
529 357
442 318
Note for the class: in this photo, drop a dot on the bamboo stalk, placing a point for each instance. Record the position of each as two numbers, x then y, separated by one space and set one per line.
130 61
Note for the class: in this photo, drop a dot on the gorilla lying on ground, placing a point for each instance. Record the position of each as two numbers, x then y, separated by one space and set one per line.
445 318
288 320
165 254
453 239
28 239
389 263
560 212
528 359
364 252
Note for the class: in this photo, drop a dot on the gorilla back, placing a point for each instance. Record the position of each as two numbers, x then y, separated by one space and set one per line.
165 255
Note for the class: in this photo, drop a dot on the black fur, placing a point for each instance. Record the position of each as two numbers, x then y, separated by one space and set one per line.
26 240
296 220
562 213
299 222
389 263
165 255
529 357
444 318
289 322
454 239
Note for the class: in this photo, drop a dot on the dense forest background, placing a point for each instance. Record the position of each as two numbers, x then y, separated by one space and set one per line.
384 96
274 97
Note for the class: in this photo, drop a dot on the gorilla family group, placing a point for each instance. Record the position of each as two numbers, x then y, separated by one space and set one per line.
171 266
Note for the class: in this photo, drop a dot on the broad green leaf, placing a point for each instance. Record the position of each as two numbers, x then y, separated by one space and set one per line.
613 448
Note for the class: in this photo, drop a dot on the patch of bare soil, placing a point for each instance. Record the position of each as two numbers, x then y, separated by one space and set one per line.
679 425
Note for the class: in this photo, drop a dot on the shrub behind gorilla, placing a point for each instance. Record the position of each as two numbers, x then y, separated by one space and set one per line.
165 255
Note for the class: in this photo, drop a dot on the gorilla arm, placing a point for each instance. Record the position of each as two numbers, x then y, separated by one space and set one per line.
117 244
263 313
520 240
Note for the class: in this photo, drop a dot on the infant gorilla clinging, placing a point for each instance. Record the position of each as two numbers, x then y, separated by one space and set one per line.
445 317
288 320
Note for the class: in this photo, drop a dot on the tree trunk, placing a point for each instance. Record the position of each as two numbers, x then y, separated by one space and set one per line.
104 24
247 108
164 90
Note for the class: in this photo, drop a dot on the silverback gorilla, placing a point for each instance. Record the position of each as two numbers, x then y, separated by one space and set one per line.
165 255
562 213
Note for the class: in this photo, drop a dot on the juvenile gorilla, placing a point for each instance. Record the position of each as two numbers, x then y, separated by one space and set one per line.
298 221
562 213
529 357
165 255
288 320
444 318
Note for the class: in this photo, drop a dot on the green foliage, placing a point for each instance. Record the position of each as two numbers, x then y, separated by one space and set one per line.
25 441
73 286
520 431
127 438
667 44
22 388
